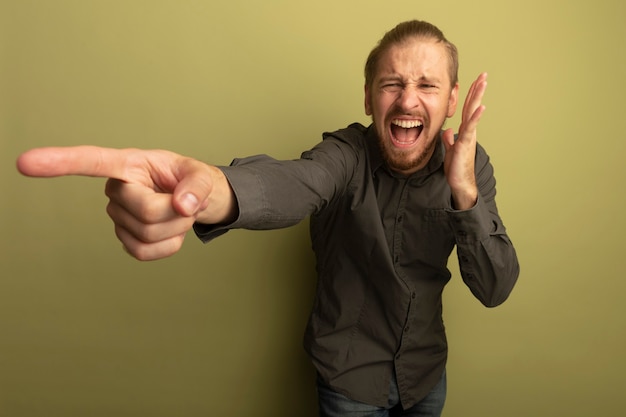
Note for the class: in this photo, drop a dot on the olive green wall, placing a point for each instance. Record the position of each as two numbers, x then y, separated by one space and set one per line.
216 330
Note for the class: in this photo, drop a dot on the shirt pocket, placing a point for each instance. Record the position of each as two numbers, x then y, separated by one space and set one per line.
429 237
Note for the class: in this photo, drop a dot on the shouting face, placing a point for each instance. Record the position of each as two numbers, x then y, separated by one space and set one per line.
409 100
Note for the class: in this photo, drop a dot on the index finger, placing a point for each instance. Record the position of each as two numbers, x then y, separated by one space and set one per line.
92 161
474 96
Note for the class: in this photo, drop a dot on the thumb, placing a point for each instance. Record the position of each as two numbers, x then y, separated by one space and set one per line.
193 189
187 204
447 137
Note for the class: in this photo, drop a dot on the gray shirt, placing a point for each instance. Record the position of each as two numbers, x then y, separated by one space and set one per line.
382 243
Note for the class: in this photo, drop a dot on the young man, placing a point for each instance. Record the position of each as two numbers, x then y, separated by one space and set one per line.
388 203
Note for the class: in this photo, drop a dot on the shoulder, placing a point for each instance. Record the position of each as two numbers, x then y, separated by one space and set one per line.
348 143
354 134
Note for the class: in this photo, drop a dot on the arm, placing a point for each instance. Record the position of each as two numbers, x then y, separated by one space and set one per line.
460 154
154 196
487 259
273 194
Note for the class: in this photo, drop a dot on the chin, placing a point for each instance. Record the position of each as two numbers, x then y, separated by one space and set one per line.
406 161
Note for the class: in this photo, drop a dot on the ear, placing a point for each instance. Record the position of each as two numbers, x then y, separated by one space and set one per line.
453 100
368 101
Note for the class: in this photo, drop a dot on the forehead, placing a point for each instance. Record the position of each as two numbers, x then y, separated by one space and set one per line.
415 58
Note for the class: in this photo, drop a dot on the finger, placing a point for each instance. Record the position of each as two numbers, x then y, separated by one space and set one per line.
481 79
447 137
474 118
149 251
194 187
474 96
470 92
148 232
90 161
142 203
468 132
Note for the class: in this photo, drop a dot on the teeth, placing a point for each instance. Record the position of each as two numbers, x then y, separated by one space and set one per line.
407 124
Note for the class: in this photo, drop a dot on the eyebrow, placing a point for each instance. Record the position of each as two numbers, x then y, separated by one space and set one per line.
422 78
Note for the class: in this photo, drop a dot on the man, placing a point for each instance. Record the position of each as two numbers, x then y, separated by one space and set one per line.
388 203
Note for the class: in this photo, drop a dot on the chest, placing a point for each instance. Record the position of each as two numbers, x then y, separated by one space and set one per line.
414 217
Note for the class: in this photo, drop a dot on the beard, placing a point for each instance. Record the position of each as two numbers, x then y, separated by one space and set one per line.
405 161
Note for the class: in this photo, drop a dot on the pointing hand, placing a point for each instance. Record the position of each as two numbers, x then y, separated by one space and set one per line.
154 196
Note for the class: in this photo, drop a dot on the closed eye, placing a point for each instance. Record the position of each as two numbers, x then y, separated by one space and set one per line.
392 87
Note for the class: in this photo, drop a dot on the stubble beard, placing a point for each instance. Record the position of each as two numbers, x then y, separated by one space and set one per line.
404 161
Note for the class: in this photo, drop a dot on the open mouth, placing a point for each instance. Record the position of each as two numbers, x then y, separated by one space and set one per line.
405 132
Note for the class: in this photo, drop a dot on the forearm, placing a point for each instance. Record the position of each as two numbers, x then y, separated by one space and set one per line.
268 194
465 198
273 194
487 259
490 269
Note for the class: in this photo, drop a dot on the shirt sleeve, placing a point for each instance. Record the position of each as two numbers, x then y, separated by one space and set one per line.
487 259
273 194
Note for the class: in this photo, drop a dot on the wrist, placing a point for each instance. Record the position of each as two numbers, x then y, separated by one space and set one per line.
221 206
464 199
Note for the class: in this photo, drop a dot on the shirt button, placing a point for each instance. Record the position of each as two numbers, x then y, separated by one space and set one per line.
464 259
413 295
462 233
400 219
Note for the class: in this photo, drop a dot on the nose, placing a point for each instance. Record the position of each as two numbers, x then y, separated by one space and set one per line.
409 98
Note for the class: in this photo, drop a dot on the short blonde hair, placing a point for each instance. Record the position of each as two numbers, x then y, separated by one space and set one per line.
403 32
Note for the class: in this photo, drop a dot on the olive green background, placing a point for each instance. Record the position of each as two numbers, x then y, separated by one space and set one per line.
216 330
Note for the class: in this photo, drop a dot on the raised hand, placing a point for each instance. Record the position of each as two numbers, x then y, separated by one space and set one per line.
154 196
459 160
